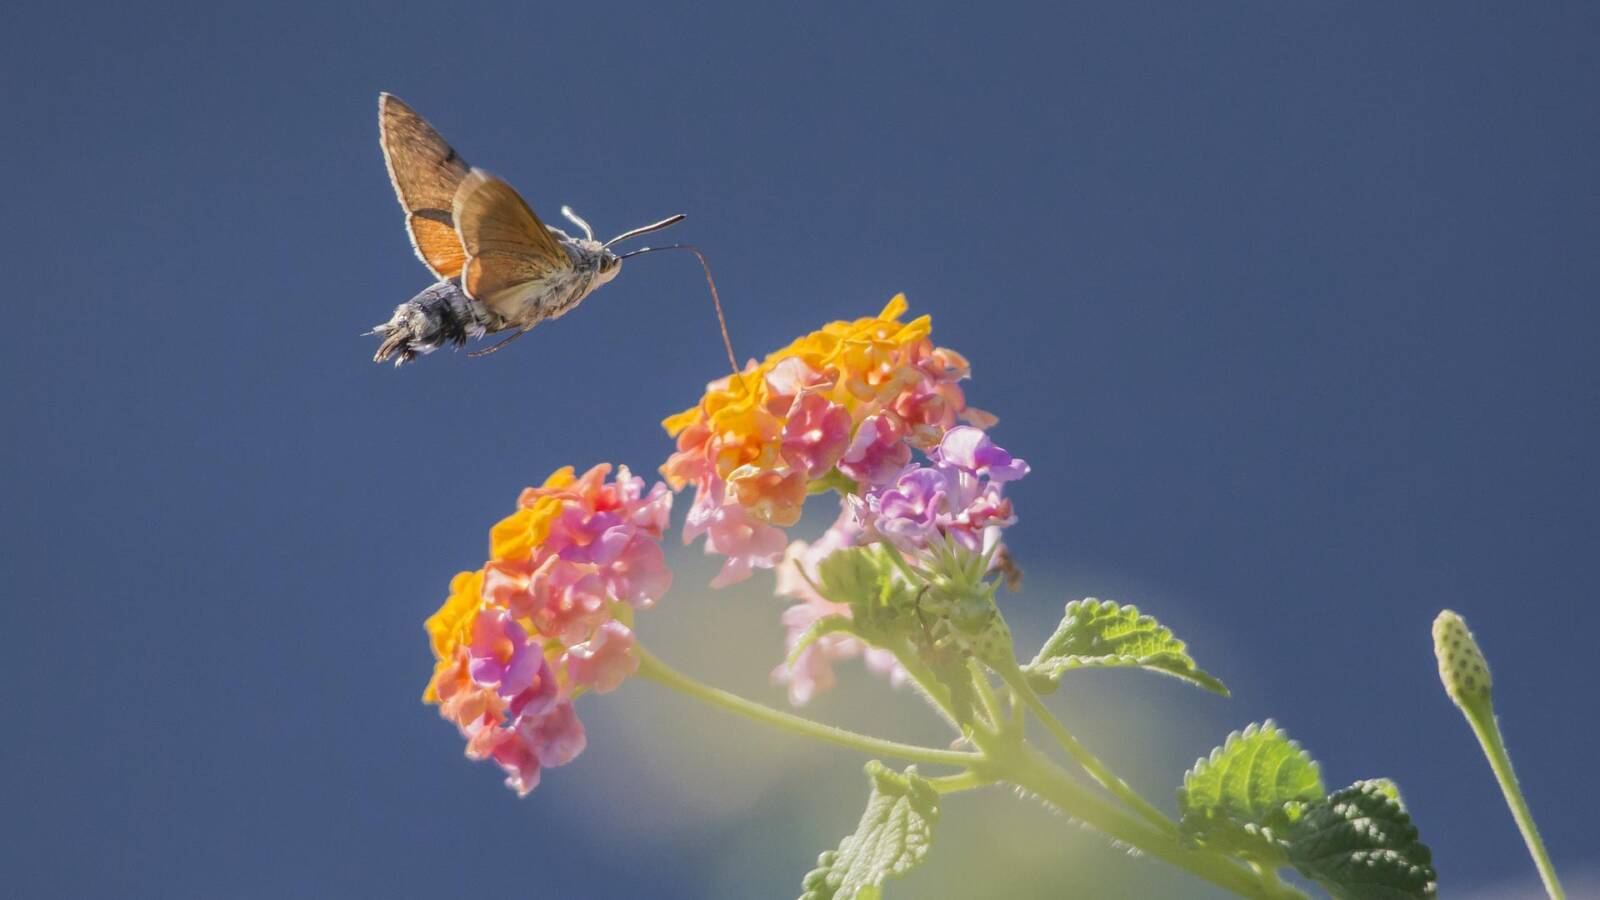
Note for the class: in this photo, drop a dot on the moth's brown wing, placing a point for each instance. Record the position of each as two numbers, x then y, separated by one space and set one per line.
425 172
510 253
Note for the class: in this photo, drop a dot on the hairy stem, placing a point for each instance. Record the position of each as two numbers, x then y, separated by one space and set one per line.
1091 764
1487 727
991 703
1031 771
654 669
925 681
966 781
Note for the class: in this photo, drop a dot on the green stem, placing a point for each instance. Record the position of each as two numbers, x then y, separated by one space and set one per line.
1484 724
907 570
654 669
1091 764
1031 771
966 781
926 683
991 703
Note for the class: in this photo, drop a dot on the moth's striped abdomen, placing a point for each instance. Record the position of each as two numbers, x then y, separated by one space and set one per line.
441 315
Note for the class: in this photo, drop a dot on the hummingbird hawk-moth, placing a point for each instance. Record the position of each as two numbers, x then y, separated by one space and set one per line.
499 267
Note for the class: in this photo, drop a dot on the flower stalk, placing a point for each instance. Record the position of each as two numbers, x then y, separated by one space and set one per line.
1466 677
1012 762
1091 764
655 670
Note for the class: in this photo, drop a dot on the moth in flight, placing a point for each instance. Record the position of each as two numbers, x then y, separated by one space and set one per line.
499 268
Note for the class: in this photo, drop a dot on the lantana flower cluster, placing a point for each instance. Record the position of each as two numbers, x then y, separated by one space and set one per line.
843 405
846 408
548 617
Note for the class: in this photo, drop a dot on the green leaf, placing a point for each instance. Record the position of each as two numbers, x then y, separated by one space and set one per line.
1248 792
893 835
1359 844
1387 788
1102 634
953 686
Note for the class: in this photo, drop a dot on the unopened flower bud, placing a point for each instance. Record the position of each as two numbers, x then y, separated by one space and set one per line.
1462 668
972 614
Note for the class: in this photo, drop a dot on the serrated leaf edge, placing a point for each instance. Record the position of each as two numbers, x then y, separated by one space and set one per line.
1183 667
1267 728
1386 792
909 786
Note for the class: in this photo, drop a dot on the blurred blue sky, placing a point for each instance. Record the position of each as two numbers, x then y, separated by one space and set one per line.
1290 305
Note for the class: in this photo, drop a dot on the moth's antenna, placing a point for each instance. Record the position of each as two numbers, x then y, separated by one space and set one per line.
488 350
577 220
710 282
670 220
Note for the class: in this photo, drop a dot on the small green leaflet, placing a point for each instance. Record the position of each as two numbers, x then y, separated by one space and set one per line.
1359 844
1103 634
1246 794
819 629
893 835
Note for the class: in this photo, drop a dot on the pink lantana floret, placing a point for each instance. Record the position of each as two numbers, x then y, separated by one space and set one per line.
815 435
504 657
731 532
638 576
512 753
555 738
877 452
604 660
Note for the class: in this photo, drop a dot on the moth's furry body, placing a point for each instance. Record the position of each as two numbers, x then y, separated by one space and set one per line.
443 315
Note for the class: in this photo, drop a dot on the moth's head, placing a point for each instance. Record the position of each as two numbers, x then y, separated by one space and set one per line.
610 265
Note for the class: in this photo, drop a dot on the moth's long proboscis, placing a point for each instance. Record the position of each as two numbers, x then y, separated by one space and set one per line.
722 321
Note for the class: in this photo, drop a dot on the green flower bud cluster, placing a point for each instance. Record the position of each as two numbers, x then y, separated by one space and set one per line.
941 604
1462 668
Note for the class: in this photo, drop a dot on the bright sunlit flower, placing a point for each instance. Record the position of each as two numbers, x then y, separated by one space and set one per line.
547 617
853 398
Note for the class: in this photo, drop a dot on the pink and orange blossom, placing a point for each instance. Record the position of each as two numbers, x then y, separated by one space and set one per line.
852 397
548 617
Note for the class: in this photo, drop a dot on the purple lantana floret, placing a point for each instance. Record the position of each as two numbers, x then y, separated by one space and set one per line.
970 450
959 497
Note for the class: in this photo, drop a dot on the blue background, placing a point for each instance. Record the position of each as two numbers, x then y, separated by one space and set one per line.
1290 305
